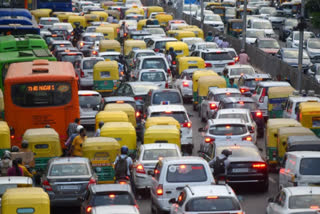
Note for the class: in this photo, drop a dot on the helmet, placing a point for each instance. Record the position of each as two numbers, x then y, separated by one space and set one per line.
120 56
209 33
24 144
171 49
6 155
47 126
124 150
242 50
79 128
15 149
101 124
226 152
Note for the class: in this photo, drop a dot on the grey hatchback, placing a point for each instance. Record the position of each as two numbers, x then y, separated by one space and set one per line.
67 179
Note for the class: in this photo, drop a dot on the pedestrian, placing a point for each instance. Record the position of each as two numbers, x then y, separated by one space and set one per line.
76 147
5 163
232 84
226 76
220 163
72 127
216 38
209 37
97 134
15 170
70 140
225 43
169 58
25 148
110 19
24 169
243 57
219 42
160 53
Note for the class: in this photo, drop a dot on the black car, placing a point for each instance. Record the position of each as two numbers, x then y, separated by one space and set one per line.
59 50
286 28
247 83
69 57
247 103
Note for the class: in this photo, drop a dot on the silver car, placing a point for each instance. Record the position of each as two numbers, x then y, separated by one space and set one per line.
86 70
67 179
90 103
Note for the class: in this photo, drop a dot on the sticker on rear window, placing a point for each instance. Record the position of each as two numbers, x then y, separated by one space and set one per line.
172 169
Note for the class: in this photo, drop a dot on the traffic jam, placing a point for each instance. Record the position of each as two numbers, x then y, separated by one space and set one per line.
113 107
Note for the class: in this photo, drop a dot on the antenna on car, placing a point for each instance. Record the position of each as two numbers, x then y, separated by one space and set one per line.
190 189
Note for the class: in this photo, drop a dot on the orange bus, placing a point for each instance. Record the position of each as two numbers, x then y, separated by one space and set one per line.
40 93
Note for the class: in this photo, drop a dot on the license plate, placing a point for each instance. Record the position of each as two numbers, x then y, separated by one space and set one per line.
238 170
219 66
69 187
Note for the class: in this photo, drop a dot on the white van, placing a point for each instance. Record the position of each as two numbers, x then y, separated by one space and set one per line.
300 169
292 105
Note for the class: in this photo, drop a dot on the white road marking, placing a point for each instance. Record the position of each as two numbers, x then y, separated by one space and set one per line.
272 180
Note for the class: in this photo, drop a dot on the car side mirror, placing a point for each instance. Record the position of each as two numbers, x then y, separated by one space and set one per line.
270 200
172 201
151 173
200 130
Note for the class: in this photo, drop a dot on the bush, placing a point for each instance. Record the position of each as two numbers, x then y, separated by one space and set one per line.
315 20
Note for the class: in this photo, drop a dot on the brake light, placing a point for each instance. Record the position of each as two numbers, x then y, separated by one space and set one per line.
212 197
46 185
187 125
236 59
208 140
169 71
314 207
261 99
40 26
241 102
247 138
244 90
94 53
213 106
174 62
156 171
208 65
138 114
156 50
231 63
81 44
259 165
118 30
91 181
140 169
112 196
88 209
12 132
137 206
258 114
137 98
167 85
160 190
81 73
185 84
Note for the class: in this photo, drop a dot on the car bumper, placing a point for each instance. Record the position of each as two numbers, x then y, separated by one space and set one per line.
163 204
247 178
65 200
142 181
86 82
186 93
87 121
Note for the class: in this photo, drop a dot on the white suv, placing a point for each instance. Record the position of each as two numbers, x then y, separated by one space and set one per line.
171 175
206 199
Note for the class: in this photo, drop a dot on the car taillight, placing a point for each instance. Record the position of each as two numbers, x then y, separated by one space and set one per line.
160 190
174 62
247 138
138 114
208 65
167 85
259 114
140 169
46 185
251 129
40 26
12 132
94 53
261 99
88 209
244 90
259 165
156 50
91 181
125 34
137 98
231 63
186 125
81 44
169 71
185 84
208 140
81 73
213 106
137 206
236 59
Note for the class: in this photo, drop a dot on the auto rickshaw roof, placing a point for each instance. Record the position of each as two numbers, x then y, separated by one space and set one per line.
191 58
109 42
162 129
4 127
101 143
27 195
103 65
151 121
113 116
118 125
294 131
280 92
276 122
295 140
309 107
39 134
119 106
210 81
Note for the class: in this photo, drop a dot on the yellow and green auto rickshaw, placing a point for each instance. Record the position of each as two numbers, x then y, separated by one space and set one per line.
143 23
309 116
219 10
25 200
130 45
4 137
63 17
124 133
111 116
181 48
107 32
154 9
109 45
107 4
115 27
180 34
278 97
102 15
102 152
212 4
195 78
163 19
197 31
284 133
77 20
133 10
162 134
188 62
240 12
91 18
106 77
40 13
234 27
152 121
125 107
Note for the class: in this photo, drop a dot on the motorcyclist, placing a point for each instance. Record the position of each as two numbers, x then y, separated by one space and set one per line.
5 163
124 30
125 71
209 37
220 163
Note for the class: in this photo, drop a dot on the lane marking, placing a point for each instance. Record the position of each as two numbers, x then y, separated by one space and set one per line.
272 180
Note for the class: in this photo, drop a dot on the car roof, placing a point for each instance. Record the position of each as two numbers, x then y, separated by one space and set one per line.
215 50
153 70
302 98
226 121
159 146
91 58
233 110
157 39
109 53
151 57
97 188
48 18
305 154
63 160
273 83
86 92
183 159
141 83
210 190
143 51
92 34
237 99
224 90
239 66
118 209
162 108
15 180
115 98
302 190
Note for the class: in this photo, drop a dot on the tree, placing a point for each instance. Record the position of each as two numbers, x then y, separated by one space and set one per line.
313 8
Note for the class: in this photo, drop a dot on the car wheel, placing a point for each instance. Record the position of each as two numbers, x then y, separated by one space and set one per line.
264 187
158 211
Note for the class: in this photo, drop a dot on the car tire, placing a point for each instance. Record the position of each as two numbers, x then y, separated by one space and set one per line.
264 187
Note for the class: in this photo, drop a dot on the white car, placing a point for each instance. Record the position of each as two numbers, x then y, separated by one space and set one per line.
190 9
191 40
262 24
313 49
293 40
63 25
119 209
131 3
238 70
47 22
156 76
184 83
243 114
132 24
86 70
171 175
295 200
179 113
205 13
111 55
253 34
156 31
215 21
206 199
90 104
292 106
149 155
159 43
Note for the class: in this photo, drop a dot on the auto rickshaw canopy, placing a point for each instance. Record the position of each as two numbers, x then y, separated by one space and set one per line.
152 121
125 107
206 82
111 116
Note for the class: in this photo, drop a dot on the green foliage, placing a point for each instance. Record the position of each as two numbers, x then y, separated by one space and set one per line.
315 19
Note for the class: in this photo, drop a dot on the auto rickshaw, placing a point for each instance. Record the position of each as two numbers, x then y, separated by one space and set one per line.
102 152
188 62
109 45
162 134
179 34
114 13
278 97
152 121
303 143
45 144
228 4
103 15
154 9
219 10
197 31
309 116
106 76
143 22
206 82
1 106
163 19
80 20
127 108
181 48
107 32
195 78
111 116
284 133
115 27
39 13
25 200
4 137
63 17
133 10
91 18
272 136
123 132
234 27
107 4
130 45
212 4
240 11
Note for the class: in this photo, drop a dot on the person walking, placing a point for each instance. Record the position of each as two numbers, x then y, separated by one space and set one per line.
72 127
225 43
76 147
243 57
97 134
15 170
209 37
219 42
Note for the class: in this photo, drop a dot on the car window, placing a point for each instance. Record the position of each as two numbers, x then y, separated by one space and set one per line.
89 101
310 166
219 97
217 56
155 154
69 169
88 64
233 115
245 105
232 129
113 198
154 63
181 117
177 173
212 204
240 151
152 76
172 97
304 201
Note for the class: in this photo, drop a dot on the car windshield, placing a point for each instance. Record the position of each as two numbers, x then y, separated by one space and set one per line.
155 154
304 201
246 105
306 35
88 64
89 100
267 10
236 25
181 117
185 173
291 22
173 97
153 76
217 56
314 44
262 25
71 58
240 151
269 44
241 71
92 38
112 198
219 97
154 63
233 116
228 129
212 18
143 89
48 22
310 166
214 204
156 31
69 169
4 187
255 34
293 54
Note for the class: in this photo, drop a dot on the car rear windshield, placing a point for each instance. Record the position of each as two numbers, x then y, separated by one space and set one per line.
172 96
113 198
181 116
92 38
89 101
144 54
212 204
155 154
310 166
217 56
4 187
304 201
154 63
153 76
219 97
71 57
88 64
269 44
246 105
240 151
186 173
232 129
241 71
69 169
232 116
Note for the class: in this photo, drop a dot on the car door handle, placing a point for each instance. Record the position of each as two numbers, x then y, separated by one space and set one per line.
168 192
179 188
